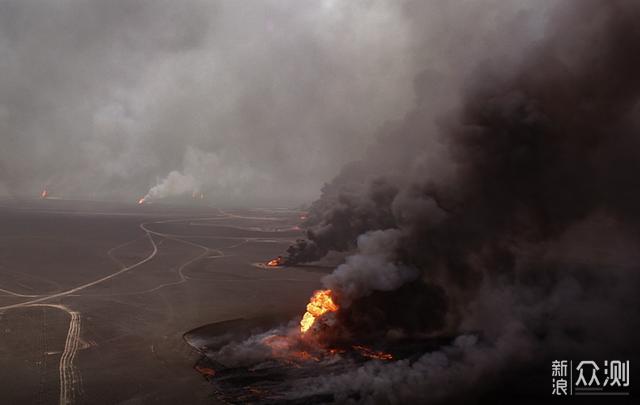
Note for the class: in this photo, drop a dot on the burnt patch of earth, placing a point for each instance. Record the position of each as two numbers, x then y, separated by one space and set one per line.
278 379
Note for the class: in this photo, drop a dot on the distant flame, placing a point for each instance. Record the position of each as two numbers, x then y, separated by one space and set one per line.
372 354
142 200
44 193
278 261
320 303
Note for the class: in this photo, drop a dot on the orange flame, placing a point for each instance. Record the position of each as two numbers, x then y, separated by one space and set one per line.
278 261
141 201
372 354
44 193
320 303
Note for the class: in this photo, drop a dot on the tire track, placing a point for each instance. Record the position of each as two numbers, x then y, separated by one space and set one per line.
67 370
69 375
92 283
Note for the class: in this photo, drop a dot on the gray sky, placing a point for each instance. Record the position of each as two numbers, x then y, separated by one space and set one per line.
252 102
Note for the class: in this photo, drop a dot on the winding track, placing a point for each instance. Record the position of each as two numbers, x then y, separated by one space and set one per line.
68 373
92 283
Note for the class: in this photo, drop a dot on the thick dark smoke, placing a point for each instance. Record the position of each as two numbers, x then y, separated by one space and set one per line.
551 145
523 243
344 213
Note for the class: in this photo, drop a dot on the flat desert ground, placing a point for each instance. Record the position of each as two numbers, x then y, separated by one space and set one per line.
95 297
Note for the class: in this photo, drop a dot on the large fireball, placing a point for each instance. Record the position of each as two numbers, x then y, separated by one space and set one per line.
320 303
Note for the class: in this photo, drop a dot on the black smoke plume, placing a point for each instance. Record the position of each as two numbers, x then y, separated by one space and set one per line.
345 212
524 245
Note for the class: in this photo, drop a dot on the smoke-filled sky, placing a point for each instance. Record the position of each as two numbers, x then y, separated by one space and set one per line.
254 103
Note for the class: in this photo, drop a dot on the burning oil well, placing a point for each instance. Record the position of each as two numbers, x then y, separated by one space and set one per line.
521 249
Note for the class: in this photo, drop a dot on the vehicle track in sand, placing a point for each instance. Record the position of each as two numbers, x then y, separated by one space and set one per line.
69 374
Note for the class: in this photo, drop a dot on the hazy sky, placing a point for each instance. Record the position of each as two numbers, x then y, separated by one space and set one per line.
253 102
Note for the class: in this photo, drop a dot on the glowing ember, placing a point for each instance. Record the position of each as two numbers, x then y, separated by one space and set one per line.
287 350
44 193
305 356
141 201
320 303
277 343
278 261
372 354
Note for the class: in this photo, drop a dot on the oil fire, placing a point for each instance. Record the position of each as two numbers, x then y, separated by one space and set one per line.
372 354
44 194
142 200
278 261
320 303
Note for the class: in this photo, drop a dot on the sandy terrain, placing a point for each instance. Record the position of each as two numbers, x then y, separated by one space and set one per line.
95 297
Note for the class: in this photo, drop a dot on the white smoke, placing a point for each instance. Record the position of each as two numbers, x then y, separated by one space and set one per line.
174 184
210 173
